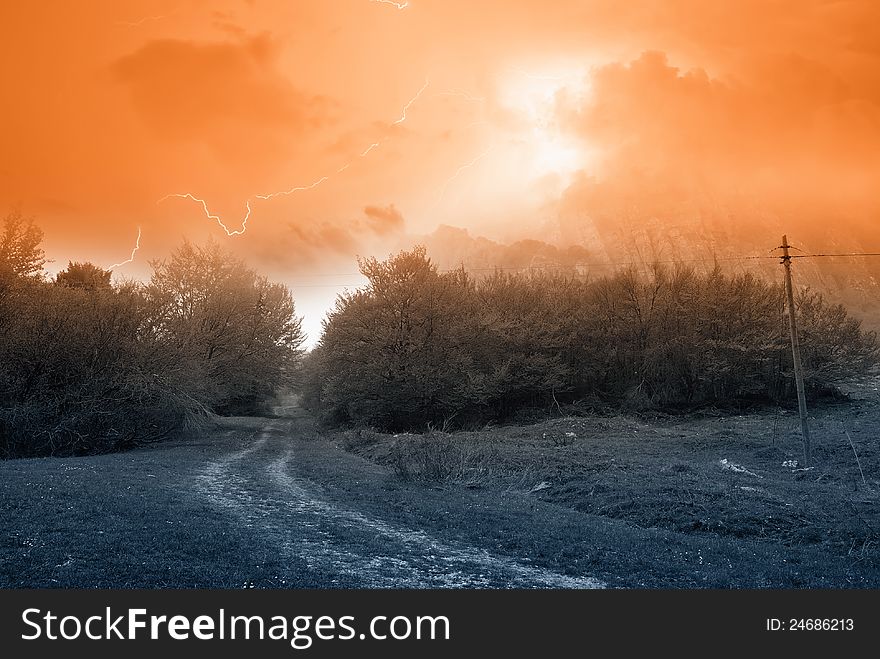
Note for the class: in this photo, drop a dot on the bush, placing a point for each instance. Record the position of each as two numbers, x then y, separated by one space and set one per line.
417 346
433 457
79 374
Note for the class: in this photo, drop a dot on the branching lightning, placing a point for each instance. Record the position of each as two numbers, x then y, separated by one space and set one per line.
458 171
368 149
236 232
300 188
407 106
148 19
399 5
137 246
374 145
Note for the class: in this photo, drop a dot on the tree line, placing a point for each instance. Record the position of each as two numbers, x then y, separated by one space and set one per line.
418 346
88 366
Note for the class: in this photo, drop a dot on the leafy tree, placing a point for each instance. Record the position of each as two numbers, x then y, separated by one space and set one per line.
86 366
402 320
240 330
86 276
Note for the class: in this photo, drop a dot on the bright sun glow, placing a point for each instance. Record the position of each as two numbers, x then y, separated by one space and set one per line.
527 148
534 98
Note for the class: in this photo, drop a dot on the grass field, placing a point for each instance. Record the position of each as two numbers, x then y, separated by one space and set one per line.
736 479
124 520
718 501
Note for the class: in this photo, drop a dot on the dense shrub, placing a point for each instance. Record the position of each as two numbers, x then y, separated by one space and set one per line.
418 346
79 374
89 367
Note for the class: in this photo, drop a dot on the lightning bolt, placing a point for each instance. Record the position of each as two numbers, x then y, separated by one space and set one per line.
399 5
236 232
137 246
299 188
407 106
458 171
374 145
369 148
148 19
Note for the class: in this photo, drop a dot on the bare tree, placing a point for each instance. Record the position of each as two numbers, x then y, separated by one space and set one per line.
20 251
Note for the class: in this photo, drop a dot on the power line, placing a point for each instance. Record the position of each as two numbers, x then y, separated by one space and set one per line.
614 263
326 285
331 274
602 264
809 256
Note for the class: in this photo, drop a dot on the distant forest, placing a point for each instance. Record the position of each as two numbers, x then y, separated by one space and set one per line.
88 365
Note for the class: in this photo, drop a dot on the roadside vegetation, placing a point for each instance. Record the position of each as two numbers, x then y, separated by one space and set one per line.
729 480
418 348
89 366
620 398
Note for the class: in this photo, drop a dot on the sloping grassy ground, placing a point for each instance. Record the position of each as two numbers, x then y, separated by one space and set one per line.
632 502
132 520
732 478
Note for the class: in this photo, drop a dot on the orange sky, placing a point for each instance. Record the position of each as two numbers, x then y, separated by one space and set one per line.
540 119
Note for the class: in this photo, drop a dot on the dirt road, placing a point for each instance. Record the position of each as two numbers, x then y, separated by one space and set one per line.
260 485
242 507
273 503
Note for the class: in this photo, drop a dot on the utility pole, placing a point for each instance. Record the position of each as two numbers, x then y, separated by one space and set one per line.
796 352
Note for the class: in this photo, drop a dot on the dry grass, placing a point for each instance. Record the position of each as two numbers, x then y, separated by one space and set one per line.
725 476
